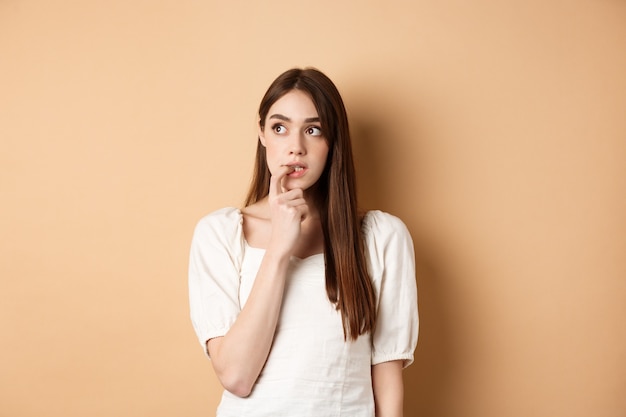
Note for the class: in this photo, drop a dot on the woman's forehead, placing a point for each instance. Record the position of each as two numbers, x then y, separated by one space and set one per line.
293 105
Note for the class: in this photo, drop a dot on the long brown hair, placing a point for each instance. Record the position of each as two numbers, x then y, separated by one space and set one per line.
347 281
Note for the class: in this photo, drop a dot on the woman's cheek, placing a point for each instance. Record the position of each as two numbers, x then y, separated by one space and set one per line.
272 164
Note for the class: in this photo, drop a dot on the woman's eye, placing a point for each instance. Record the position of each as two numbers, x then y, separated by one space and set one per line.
314 131
279 129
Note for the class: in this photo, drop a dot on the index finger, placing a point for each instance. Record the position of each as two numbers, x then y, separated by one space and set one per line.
276 180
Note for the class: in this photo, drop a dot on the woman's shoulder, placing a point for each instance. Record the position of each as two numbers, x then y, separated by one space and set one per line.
377 222
223 213
258 210
382 231
226 217
220 229
388 248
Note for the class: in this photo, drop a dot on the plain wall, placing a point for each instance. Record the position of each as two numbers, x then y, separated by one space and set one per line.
495 130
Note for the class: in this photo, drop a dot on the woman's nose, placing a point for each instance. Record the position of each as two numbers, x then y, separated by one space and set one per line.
296 144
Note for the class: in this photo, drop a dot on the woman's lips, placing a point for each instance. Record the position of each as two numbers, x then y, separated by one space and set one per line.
297 170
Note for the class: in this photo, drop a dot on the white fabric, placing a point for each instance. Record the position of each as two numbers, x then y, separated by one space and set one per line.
311 370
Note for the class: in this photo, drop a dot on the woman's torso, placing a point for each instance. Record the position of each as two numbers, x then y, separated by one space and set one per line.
311 369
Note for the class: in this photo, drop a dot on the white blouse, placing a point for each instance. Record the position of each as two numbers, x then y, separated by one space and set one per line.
311 370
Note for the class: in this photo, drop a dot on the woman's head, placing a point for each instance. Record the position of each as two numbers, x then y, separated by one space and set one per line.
333 121
294 141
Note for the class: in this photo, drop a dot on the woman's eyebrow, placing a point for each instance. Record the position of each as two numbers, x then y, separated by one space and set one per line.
287 119
280 117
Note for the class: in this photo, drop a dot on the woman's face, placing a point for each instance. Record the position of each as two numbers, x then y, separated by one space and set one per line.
293 137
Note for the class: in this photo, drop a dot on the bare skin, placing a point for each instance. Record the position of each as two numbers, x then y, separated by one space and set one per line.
388 389
257 228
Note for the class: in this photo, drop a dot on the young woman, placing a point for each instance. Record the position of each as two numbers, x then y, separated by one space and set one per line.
305 307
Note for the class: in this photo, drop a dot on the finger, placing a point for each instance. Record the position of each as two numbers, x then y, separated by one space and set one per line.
292 194
295 202
276 186
304 211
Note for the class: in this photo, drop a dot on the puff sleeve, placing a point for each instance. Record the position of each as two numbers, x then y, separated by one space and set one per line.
214 264
391 263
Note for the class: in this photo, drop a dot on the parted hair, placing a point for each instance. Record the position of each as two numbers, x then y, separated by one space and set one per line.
348 284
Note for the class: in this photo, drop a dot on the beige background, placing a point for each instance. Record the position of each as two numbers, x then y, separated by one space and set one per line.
495 130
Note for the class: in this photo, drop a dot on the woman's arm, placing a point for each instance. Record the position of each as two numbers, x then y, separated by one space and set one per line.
239 356
388 389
